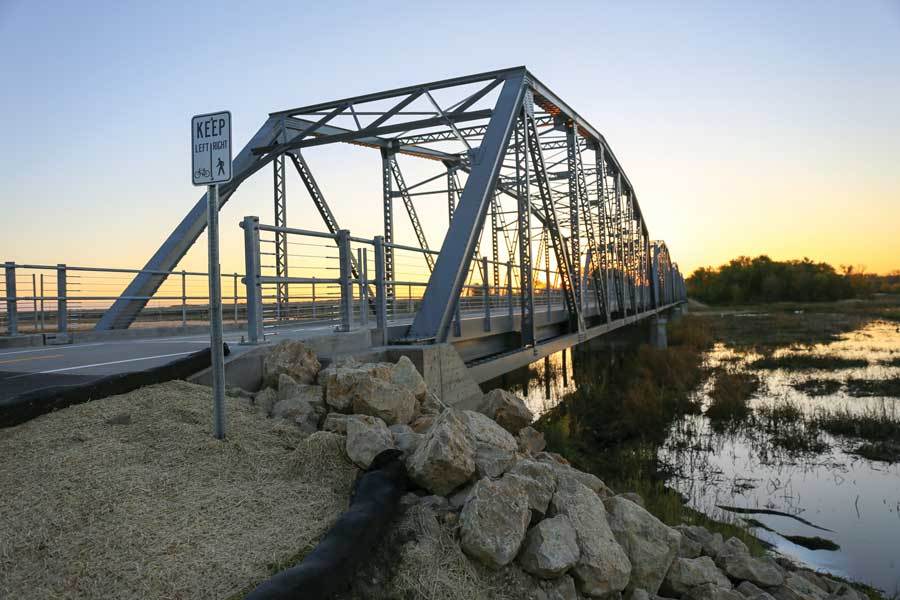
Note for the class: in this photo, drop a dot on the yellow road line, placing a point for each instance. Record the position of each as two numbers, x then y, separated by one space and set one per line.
44 357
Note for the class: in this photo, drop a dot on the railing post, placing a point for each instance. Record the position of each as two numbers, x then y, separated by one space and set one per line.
313 297
509 290
12 316
251 279
363 286
42 302
235 297
486 293
62 303
183 298
34 310
549 293
343 240
380 290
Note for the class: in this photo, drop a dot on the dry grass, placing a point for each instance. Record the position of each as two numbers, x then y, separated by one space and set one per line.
155 507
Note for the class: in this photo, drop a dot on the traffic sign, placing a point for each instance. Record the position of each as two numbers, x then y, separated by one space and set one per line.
211 148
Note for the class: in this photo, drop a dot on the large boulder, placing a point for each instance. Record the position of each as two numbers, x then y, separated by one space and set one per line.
649 543
507 409
265 400
550 548
367 436
297 410
539 482
335 423
709 591
384 400
735 560
530 441
405 375
603 567
342 378
752 592
405 438
687 573
710 543
445 458
562 588
495 448
797 587
293 358
288 388
566 472
493 522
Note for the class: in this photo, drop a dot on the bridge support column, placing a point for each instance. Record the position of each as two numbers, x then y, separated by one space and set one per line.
658 337
251 280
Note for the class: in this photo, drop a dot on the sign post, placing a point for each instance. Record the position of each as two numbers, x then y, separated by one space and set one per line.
210 166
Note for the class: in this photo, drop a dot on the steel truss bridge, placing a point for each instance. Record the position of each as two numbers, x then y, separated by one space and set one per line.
542 222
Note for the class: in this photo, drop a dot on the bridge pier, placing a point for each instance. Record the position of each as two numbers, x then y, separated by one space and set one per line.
658 337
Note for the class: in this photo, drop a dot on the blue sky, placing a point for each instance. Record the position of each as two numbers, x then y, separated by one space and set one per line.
745 127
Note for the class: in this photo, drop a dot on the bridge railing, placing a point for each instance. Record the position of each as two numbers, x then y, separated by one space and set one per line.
61 298
342 281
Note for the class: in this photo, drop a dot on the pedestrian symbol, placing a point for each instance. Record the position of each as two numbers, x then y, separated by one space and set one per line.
221 166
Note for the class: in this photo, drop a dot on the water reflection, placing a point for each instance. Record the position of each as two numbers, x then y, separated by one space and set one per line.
815 491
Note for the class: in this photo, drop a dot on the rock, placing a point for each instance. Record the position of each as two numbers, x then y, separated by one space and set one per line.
288 388
458 498
550 548
687 573
551 457
689 548
750 591
405 375
649 543
265 400
367 436
711 543
342 379
530 440
562 588
603 567
495 448
796 587
290 357
735 560
233 391
422 423
432 405
592 482
539 484
384 400
709 591
507 409
845 592
291 408
632 497
408 441
639 594
817 580
493 522
445 458
335 423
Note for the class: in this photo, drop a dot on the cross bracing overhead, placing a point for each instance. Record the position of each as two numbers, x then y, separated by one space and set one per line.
527 182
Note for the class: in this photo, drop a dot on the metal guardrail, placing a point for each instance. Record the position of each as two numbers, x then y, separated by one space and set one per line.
62 298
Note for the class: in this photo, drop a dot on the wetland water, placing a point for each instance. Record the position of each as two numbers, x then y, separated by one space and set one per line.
785 475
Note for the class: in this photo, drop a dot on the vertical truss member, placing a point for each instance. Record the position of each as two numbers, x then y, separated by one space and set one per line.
388 210
281 254
563 261
600 185
578 189
523 209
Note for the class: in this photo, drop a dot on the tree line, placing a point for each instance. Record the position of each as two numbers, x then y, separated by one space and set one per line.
761 279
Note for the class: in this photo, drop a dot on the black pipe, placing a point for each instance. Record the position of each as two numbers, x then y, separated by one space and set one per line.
331 566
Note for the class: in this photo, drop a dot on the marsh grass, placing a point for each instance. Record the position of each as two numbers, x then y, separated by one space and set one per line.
873 424
861 388
787 427
818 387
730 395
798 362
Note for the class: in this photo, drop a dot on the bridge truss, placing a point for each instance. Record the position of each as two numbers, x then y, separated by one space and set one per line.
525 178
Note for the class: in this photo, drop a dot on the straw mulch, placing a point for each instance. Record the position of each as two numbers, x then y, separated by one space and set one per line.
131 497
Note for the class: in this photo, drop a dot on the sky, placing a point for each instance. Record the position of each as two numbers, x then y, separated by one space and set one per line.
745 128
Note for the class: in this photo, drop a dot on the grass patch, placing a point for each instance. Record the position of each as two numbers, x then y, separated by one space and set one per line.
730 394
787 428
795 362
892 362
888 452
818 387
861 388
873 424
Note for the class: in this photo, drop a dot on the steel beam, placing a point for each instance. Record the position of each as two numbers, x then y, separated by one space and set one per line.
281 258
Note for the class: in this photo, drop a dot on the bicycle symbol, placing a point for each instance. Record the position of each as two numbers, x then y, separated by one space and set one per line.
202 172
